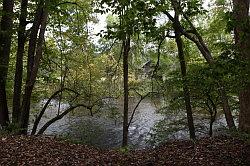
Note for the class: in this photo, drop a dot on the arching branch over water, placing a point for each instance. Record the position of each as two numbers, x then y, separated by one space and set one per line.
45 107
60 116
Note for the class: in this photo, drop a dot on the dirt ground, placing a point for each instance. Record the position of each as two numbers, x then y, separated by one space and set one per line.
31 150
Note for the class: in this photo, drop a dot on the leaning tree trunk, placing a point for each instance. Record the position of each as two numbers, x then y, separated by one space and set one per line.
186 92
242 42
126 48
34 56
5 44
19 63
198 40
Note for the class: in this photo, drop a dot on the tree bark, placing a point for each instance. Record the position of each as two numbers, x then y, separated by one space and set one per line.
126 48
244 116
34 56
5 44
226 107
19 63
186 92
242 42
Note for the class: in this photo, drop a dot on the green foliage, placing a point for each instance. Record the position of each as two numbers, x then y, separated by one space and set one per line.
220 2
240 135
72 60
124 150
193 7
168 129
11 129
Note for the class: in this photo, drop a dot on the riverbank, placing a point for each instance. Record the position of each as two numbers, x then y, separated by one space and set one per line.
31 150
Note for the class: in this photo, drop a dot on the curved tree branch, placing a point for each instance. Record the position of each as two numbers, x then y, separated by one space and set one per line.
137 105
142 97
45 107
60 116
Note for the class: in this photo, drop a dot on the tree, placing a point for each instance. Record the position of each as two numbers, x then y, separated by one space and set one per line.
22 36
35 53
186 92
5 45
195 36
123 32
126 48
242 42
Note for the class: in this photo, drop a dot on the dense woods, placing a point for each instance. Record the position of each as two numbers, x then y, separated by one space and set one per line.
190 59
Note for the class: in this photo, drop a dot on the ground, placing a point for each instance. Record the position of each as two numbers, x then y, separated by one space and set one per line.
31 150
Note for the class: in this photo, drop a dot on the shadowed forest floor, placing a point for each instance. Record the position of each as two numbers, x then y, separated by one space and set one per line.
31 150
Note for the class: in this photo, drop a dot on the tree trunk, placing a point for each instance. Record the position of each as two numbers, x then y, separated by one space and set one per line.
242 42
35 48
5 44
19 63
212 111
226 108
184 81
126 48
244 117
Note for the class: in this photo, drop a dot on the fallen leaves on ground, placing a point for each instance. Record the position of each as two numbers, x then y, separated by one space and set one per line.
32 150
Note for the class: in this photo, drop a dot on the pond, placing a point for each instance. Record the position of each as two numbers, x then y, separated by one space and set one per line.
102 130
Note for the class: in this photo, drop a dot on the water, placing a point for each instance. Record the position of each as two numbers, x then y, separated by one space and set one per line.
104 129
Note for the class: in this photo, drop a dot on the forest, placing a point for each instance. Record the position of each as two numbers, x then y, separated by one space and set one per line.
125 75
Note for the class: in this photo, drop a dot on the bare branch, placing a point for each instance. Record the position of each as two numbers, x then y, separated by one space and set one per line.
60 116
142 97
133 89
45 107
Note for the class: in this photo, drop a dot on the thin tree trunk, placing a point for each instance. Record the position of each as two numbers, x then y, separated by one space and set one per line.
212 111
126 48
19 63
242 42
33 63
5 44
222 92
184 81
4 116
